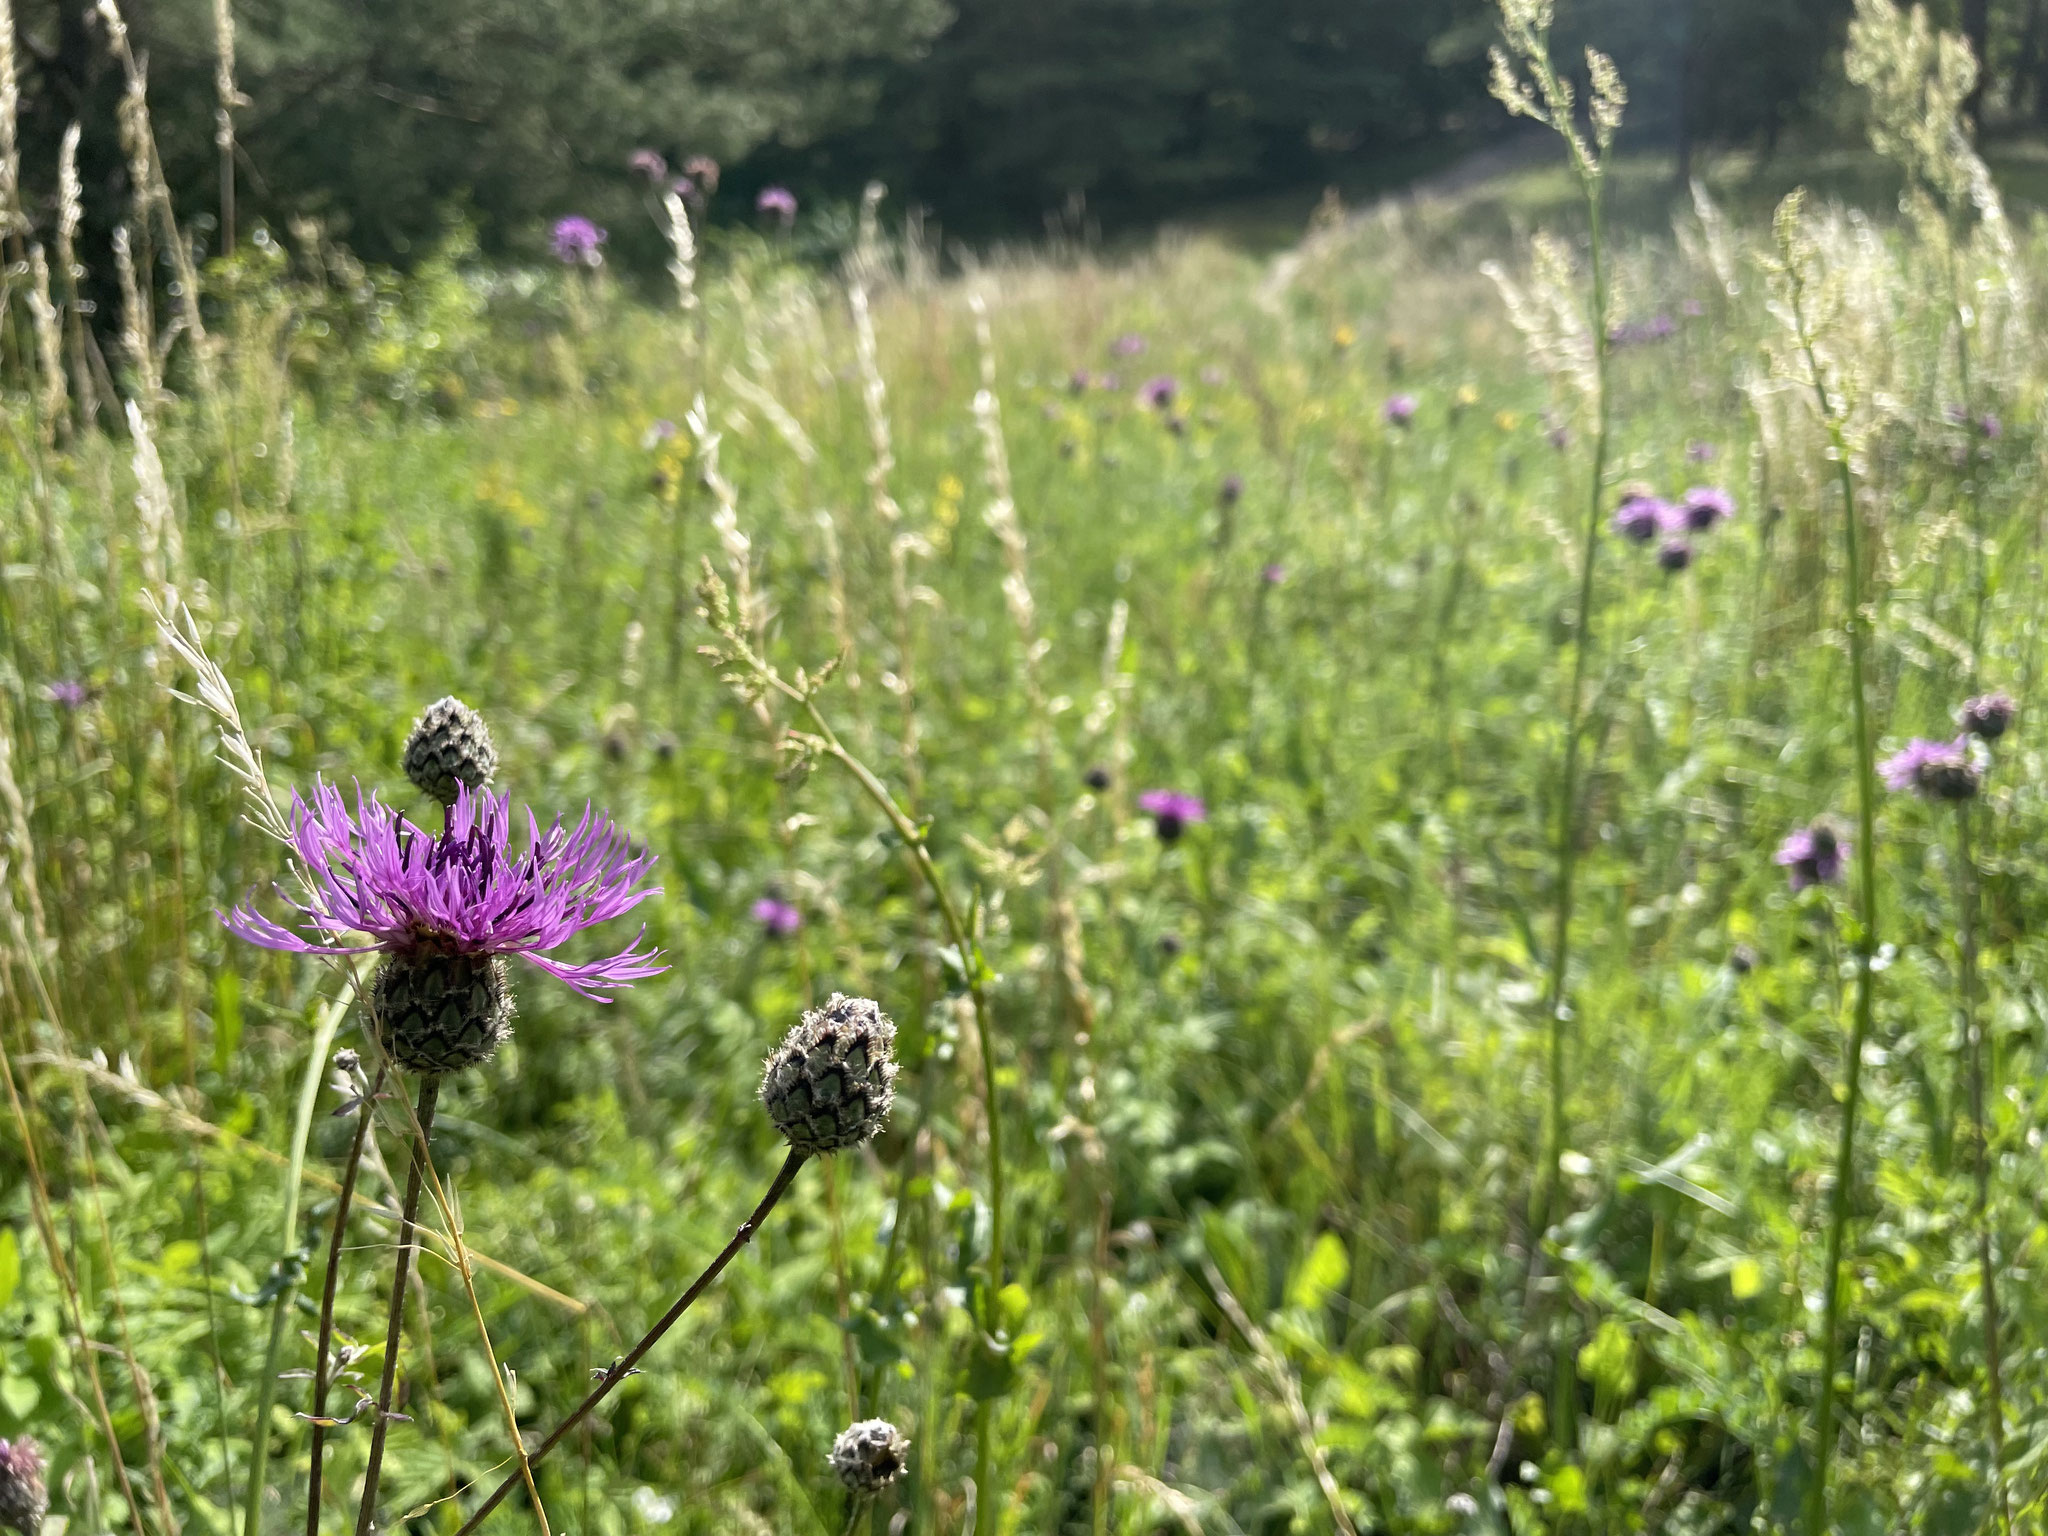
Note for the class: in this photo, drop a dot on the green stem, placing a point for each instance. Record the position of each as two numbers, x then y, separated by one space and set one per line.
1866 914
971 963
1973 1044
430 1093
282 1275
984 1475
1582 641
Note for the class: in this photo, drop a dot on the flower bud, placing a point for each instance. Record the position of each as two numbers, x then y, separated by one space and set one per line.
870 1455
450 745
830 1084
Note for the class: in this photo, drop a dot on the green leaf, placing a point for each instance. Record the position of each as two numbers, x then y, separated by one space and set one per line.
1608 1359
1325 1269
19 1396
10 1265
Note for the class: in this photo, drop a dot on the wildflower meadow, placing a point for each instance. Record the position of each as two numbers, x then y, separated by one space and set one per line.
1391 887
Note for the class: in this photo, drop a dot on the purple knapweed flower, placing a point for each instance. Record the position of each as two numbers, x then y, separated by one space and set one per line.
1990 426
1213 376
1559 437
1935 770
1231 490
1399 411
1172 812
24 1496
1814 855
1640 518
1078 381
778 203
687 190
68 692
1705 505
1674 554
1130 344
1701 453
659 431
1159 392
576 241
1988 716
1693 309
778 919
1111 382
648 163
1636 333
704 171
379 884
1272 575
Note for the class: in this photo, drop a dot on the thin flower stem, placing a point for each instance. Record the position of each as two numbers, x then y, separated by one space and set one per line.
1973 1043
623 1366
1865 946
365 1113
971 963
366 1512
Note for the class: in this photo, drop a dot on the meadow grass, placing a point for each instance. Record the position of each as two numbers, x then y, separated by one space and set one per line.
1272 1099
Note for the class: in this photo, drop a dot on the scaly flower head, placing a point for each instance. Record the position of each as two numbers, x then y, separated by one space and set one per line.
1936 770
1705 505
576 241
1814 855
1172 812
1988 716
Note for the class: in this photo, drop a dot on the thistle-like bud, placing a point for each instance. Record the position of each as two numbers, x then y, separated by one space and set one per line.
1988 716
870 1455
831 1082
24 1500
440 1013
450 745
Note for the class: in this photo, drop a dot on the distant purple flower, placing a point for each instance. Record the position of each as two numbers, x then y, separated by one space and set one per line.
576 241
1640 518
687 190
779 203
1559 437
1078 381
1639 332
1399 411
1990 426
1130 344
1814 855
68 692
1705 505
1231 491
1935 770
704 170
1172 812
648 163
1272 575
1111 382
1159 392
778 919
1213 376
1674 554
1702 453
659 431
375 876
1693 309
1988 716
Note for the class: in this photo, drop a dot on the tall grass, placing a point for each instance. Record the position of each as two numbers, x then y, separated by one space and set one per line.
1207 1200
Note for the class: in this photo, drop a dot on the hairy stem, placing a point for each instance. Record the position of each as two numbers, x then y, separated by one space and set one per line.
430 1093
324 1347
623 1366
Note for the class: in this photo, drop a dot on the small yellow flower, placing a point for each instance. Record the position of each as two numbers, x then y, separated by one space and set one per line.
1468 395
1507 421
1344 336
950 488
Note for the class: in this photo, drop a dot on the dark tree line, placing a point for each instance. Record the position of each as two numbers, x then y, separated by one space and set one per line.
378 116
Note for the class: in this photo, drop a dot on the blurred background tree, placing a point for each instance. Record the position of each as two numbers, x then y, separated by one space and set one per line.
380 118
